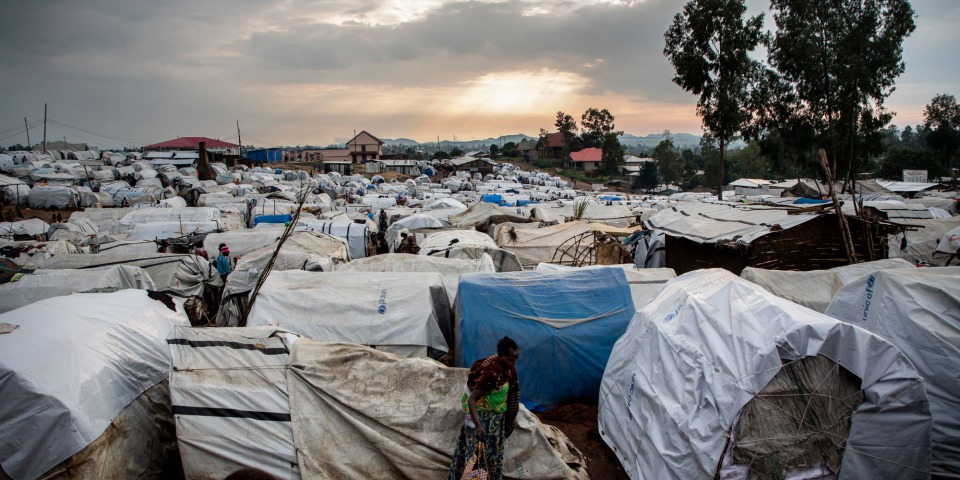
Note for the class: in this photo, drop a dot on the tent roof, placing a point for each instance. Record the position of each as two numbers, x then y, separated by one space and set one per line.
713 222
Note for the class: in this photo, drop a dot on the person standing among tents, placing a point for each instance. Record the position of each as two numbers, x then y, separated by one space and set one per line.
223 262
490 402
383 221
408 244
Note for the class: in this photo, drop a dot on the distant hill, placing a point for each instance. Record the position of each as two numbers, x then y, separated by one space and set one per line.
652 140
628 139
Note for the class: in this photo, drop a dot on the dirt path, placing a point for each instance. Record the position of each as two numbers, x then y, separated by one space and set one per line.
579 424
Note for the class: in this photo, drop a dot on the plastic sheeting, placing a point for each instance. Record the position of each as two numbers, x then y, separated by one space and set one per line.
71 367
54 196
357 235
44 284
709 342
565 322
481 215
229 393
536 245
814 289
184 275
471 245
643 282
918 310
302 251
376 309
450 269
27 228
360 413
166 230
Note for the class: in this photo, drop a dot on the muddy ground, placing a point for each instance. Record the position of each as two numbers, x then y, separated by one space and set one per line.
579 424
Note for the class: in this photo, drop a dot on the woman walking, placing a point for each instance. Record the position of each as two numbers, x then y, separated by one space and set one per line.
490 403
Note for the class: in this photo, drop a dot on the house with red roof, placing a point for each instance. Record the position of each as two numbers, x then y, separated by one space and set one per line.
193 143
586 160
551 145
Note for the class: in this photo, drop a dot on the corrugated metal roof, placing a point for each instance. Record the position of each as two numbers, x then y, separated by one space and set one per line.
711 223
587 155
192 142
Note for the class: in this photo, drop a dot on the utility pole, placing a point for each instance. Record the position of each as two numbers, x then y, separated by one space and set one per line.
239 143
44 127
25 127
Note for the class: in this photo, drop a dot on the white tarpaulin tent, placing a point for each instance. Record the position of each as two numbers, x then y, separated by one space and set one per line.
926 244
357 235
361 413
182 274
536 245
449 269
709 342
406 313
33 227
309 251
815 288
43 284
70 367
918 310
349 411
37 253
469 245
229 392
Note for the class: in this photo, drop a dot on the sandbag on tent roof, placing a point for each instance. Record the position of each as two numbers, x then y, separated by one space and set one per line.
449 269
43 284
709 343
536 245
182 274
225 384
469 244
362 413
918 310
566 323
402 312
70 367
814 289
643 282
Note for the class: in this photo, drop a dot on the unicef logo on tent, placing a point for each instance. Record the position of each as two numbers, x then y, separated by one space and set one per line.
382 303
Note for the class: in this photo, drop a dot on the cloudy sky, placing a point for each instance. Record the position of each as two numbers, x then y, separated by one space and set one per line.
122 72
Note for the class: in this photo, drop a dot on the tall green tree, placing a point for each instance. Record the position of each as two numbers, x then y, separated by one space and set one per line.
941 122
594 125
709 45
669 162
841 59
567 127
611 160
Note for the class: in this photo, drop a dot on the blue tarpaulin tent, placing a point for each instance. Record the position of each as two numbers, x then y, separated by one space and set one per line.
272 219
493 198
565 322
809 201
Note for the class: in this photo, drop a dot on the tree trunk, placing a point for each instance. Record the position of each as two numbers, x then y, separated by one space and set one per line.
720 192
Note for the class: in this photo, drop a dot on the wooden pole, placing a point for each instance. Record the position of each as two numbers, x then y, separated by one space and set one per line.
844 226
239 143
44 127
25 127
